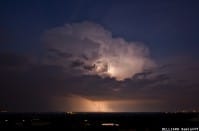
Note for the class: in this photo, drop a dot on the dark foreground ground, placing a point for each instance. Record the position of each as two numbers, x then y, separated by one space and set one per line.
102 121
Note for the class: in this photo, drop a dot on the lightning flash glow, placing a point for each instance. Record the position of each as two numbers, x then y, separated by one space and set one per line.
92 50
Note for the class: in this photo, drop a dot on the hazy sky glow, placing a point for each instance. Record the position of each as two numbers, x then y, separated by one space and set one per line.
99 56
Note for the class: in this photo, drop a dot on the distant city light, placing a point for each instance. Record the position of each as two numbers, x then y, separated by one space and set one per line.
6 120
110 124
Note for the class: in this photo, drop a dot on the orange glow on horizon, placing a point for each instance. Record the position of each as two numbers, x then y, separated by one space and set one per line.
76 103
81 104
101 106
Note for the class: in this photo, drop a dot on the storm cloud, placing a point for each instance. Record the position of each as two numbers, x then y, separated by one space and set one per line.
72 75
31 86
93 50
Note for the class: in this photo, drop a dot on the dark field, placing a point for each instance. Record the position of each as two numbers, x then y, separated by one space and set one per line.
102 121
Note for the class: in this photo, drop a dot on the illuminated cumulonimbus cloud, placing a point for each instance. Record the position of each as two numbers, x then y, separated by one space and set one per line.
91 49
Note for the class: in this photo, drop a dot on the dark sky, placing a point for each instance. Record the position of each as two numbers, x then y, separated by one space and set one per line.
99 55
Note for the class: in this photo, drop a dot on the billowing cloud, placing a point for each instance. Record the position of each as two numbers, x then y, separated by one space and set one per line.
93 50
85 69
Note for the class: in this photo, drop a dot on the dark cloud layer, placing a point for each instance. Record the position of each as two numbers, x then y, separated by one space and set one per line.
42 87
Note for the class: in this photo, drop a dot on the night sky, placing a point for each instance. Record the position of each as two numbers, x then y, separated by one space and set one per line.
99 55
